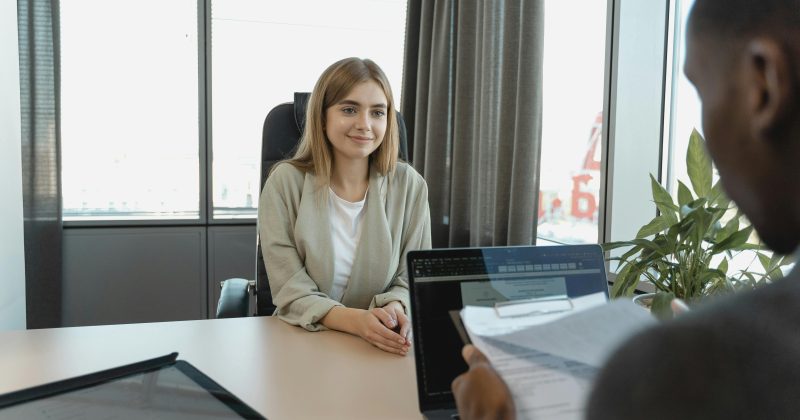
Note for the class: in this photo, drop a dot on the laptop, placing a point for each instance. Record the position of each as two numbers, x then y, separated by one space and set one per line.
162 388
445 280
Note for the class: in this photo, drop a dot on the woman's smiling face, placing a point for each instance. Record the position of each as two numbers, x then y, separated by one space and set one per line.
355 125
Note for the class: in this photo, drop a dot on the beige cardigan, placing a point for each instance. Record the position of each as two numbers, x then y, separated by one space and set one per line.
294 227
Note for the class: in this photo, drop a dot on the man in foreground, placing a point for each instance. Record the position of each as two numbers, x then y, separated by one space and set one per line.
738 357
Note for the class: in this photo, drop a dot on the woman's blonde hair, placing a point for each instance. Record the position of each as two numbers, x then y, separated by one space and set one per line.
314 153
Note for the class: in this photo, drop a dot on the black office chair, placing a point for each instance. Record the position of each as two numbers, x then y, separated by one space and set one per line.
283 128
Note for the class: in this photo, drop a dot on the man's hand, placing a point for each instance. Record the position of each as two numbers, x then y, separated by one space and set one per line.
398 321
678 307
480 393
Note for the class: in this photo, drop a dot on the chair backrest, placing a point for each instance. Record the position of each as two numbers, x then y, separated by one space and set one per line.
283 128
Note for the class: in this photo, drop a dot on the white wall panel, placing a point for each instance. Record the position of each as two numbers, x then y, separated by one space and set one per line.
12 251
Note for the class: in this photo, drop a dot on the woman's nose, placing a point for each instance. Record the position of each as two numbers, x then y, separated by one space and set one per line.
362 121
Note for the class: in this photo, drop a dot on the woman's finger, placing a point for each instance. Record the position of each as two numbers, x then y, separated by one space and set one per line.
377 332
385 317
405 325
387 336
401 351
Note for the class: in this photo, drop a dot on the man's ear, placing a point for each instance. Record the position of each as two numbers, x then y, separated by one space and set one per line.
770 86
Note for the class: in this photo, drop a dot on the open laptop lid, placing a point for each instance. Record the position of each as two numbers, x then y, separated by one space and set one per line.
442 280
162 387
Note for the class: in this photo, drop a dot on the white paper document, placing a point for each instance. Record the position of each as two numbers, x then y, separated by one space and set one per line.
549 357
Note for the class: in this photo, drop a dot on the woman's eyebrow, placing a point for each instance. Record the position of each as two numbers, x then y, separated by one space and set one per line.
352 102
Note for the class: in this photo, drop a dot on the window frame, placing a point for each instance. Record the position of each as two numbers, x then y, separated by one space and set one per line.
634 27
203 101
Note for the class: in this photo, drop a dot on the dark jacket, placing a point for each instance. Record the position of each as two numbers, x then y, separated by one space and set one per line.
737 358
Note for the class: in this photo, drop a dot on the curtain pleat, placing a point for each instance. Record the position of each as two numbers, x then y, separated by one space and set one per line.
473 84
41 164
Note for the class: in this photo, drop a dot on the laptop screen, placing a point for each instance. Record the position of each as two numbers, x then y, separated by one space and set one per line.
442 280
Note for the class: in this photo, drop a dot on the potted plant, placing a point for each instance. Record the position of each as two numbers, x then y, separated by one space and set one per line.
686 249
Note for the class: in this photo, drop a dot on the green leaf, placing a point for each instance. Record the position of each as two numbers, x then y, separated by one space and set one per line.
702 222
661 305
608 246
684 195
663 201
692 206
631 252
747 247
764 260
730 227
650 245
707 276
665 245
773 267
723 266
718 196
776 274
750 277
735 241
658 224
698 165
622 282
787 259
775 261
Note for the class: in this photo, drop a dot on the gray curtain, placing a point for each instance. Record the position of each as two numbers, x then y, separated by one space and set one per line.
472 100
41 170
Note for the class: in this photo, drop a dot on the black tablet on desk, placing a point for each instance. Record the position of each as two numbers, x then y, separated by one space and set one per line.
160 388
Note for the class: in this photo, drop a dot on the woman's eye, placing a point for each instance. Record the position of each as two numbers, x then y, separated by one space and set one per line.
349 110
378 113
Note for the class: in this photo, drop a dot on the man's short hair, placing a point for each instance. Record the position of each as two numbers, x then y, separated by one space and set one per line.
735 18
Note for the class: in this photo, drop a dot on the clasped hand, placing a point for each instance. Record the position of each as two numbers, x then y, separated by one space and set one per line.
386 328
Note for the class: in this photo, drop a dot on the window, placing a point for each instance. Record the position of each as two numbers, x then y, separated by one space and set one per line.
683 103
264 51
574 66
129 110
131 96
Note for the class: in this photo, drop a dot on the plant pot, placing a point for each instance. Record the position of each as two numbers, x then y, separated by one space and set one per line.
644 300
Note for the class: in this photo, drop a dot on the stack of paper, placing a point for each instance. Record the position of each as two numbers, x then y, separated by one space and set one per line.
549 354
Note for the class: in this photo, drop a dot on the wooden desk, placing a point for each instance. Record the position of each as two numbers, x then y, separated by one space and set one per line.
283 372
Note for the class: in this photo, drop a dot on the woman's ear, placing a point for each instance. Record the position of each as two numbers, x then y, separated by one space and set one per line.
770 84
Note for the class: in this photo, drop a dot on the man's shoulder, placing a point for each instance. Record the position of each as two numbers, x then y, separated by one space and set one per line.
709 359
766 312
777 301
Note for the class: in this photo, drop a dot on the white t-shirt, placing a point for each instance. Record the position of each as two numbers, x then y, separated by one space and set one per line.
346 220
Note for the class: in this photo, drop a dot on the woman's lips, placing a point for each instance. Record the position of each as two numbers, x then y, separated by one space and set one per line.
360 139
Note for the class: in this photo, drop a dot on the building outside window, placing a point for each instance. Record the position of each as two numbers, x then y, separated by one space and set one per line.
574 66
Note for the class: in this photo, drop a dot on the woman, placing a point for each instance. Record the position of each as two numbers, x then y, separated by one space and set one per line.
337 220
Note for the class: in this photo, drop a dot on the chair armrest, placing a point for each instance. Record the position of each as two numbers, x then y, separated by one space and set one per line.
234 298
